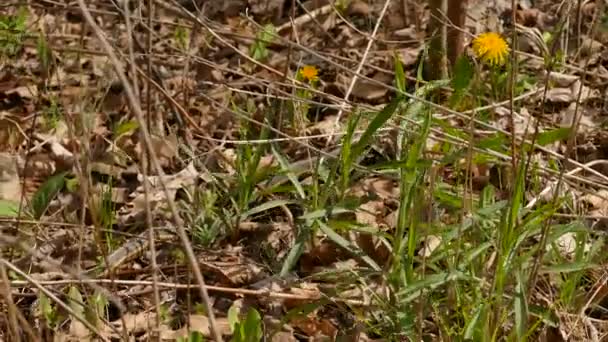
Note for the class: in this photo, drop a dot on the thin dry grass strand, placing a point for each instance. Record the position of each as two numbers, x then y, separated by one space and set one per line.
353 81
148 143
54 298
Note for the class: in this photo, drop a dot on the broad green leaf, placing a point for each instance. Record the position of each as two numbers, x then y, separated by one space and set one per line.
46 192
472 327
549 137
463 73
233 318
253 326
380 119
76 301
125 128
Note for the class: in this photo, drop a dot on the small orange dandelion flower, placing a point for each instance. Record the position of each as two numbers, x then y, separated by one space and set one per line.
491 48
309 72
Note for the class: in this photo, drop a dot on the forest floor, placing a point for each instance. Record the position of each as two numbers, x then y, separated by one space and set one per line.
286 170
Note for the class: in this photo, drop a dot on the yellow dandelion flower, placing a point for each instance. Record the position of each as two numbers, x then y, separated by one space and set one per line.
491 48
309 72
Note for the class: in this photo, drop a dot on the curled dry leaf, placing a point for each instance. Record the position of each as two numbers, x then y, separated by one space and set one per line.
430 245
597 202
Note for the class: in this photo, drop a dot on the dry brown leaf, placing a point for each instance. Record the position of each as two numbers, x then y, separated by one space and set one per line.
165 148
598 202
563 95
133 323
283 336
358 7
369 212
10 186
240 271
430 245
315 327
561 79
371 91
384 188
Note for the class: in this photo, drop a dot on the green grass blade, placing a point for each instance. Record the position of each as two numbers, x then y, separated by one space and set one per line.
292 177
348 246
377 122
42 198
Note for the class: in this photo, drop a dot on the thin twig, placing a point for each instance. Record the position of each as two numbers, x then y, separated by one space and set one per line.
148 143
353 81
55 299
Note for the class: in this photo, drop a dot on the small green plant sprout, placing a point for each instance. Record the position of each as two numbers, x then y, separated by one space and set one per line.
181 35
52 114
194 336
259 49
248 330
49 313
12 31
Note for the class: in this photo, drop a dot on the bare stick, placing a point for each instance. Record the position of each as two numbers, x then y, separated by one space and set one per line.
370 42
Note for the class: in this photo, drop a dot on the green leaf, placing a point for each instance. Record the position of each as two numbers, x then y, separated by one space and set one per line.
252 326
463 74
472 328
259 49
521 309
48 191
400 80
295 252
233 318
347 245
379 120
265 206
44 53
9 208
323 213
431 281
72 184
125 128
549 137
76 301
292 177
568 267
